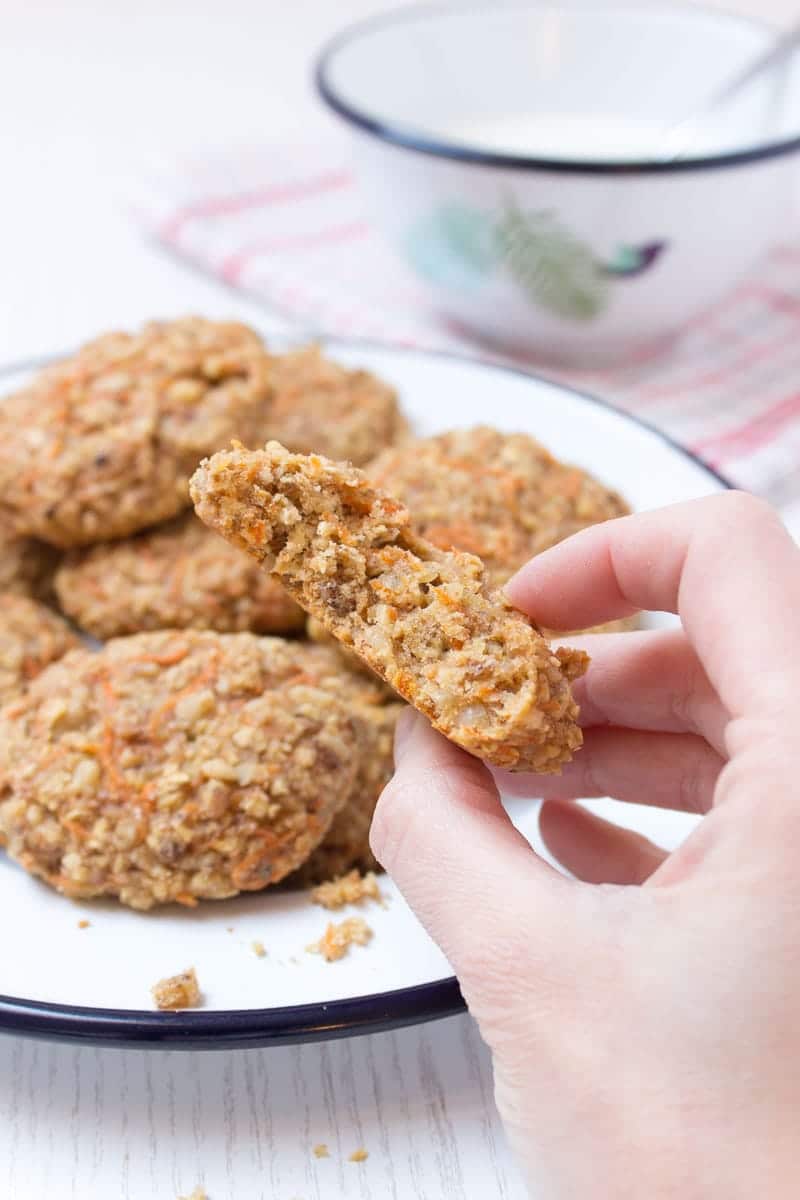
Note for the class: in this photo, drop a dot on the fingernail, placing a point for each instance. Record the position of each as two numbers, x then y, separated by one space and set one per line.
508 589
403 732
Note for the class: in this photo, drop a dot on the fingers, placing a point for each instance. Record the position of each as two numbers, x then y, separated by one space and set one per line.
665 770
594 850
725 563
648 680
442 834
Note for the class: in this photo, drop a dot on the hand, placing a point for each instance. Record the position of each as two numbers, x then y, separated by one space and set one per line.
645 1039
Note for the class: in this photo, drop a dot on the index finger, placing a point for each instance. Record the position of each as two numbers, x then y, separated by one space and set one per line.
725 564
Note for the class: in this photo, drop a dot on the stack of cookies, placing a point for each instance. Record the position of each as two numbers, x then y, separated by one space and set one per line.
206 746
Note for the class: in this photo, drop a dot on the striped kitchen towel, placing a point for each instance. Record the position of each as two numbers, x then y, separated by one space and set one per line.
287 226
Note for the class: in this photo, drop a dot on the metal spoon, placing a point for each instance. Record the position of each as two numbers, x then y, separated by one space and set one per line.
680 137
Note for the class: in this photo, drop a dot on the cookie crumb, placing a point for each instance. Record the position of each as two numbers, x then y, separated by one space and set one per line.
337 939
359 1155
84 924
258 949
352 888
321 1150
229 929
178 991
198 1194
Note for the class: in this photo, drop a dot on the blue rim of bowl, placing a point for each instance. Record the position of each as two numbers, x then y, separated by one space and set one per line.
229 1029
415 140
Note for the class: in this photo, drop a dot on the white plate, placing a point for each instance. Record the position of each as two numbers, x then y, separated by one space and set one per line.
92 984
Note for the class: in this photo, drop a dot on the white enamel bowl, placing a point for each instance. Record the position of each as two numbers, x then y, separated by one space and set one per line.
60 981
585 249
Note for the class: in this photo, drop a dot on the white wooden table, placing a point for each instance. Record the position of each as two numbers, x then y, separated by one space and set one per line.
84 1124
88 90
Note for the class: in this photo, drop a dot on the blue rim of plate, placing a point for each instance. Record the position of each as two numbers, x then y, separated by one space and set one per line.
229 1029
407 138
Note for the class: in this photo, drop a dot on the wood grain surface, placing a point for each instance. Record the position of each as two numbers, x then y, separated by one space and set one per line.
90 1124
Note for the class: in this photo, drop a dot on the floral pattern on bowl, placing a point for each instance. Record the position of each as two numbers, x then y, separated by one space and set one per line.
459 246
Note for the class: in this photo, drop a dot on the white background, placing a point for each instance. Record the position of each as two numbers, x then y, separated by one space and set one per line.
90 91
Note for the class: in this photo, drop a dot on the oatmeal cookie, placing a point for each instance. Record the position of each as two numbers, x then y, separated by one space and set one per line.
31 637
350 661
322 407
502 496
26 567
177 576
423 618
337 939
346 844
103 444
174 766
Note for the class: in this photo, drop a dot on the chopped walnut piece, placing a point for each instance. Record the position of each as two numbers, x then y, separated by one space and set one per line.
337 939
177 991
352 888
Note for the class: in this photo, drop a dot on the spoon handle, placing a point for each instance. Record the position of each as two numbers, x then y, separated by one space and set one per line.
690 125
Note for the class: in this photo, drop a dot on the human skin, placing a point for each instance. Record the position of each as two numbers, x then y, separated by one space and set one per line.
642 1016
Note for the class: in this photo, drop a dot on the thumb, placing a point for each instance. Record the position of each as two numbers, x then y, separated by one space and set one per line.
491 904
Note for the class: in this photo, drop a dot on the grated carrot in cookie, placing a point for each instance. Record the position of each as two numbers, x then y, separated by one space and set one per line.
424 619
